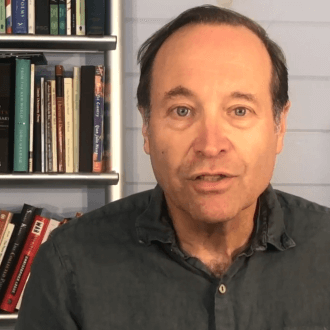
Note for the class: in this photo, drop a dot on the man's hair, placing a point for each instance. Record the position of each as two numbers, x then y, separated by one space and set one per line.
209 14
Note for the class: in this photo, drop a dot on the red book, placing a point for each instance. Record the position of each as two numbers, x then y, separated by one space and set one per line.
22 269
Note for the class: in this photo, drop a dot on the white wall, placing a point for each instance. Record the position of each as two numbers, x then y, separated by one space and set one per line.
302 29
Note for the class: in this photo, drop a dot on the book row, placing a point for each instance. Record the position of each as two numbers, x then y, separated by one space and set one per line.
55 17
52 125
21 235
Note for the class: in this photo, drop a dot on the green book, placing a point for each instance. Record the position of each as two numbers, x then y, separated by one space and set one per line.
53 17
22 115
2 16
62 17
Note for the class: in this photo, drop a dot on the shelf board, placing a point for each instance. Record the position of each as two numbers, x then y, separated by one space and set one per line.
8 316
57 43
65 178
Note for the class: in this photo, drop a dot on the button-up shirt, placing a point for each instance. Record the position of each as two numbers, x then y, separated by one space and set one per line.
120 268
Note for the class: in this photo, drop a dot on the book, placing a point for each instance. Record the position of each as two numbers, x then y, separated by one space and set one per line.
53 5
98 119
73 17
86 118
68 17
2 17
107 139
23 266
20 16
42 17
76 108
54 130
49 120
23 223
42 124
45 125
7 112
32 83
22 115
5 240
95 15
5 218
68 125
9 18
31 17
62 17
80 18
60 118
37 129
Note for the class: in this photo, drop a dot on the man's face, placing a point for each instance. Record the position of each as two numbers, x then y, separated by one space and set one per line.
211 113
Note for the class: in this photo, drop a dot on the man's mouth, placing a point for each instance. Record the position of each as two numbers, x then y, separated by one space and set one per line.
212 178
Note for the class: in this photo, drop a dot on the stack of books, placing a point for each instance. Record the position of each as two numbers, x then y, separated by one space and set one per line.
55 17
21 235
51 125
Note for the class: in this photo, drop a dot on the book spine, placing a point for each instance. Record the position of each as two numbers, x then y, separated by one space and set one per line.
76 106
98 119
95 15
42 16
49 127
45 126
86 118
5 218
62 17
19 303
15 246
73 17
80 16
60 122
54 130
53 4
22 269
106 142
42 124
68 17
5 240
20 16
9 18
37 130
68 125
31 117
31 18
2 17
7 103
22 115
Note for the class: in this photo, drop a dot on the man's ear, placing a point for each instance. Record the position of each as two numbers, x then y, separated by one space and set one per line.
282 127
145 132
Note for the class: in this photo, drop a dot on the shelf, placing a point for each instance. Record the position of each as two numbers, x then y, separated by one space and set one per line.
8 316
56 178
52 43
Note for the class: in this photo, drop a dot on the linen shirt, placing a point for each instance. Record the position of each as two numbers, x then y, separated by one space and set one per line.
120 268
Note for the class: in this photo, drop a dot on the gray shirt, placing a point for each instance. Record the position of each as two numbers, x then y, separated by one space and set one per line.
120 268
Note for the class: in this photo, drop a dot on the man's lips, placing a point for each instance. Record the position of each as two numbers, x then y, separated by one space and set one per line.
218 173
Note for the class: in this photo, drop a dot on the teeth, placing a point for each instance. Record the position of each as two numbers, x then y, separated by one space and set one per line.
211 177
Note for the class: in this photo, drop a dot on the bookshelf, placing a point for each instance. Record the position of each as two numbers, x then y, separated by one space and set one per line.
112 49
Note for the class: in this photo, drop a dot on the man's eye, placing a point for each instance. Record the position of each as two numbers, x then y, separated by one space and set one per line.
182 111
240 112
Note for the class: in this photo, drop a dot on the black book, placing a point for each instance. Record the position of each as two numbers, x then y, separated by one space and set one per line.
7 113
42 16
73 17
86 118
95 14
37 128
23 223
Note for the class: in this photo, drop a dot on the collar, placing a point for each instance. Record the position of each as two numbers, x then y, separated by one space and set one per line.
153 224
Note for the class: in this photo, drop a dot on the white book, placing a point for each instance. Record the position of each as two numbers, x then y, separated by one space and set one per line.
54 130
31 118
31 17
68 17
68 124
18 306
5 240
42 122
80 18
76 108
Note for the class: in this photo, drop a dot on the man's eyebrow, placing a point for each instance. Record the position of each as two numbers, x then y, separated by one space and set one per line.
245 96
178 91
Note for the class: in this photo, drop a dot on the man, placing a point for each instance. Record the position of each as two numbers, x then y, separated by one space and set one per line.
213 246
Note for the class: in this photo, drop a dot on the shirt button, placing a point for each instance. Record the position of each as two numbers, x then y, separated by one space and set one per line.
222 289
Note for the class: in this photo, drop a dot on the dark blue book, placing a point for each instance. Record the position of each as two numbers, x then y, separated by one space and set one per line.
95 15
73 17
20 16
62 17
